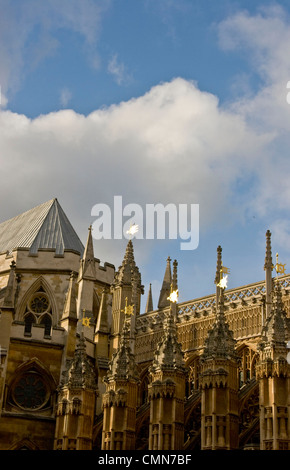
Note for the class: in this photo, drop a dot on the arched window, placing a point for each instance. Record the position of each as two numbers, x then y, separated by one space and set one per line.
31 389
38 311
144 391
29 319
46 321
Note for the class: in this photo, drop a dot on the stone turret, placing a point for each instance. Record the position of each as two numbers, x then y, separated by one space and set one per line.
120 399
126 291
219 383
220 342
166 390
273 373
76 403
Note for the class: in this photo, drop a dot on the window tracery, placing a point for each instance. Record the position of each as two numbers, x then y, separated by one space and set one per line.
38 312
30 391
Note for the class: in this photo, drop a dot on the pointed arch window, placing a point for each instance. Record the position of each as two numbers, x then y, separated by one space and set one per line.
29 319
38 312
46 321
31 388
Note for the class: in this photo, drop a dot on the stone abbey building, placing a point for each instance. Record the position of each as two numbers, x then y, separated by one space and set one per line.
82 368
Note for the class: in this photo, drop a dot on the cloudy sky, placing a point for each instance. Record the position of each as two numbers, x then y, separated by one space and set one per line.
157 101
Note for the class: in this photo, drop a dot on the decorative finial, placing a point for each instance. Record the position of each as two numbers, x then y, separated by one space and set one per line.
268 256
218 265
173 296
174 275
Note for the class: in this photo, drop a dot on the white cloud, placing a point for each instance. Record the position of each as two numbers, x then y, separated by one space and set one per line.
118 70
174 144
264 40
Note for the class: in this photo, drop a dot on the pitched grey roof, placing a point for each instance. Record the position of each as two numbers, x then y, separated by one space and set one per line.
44 226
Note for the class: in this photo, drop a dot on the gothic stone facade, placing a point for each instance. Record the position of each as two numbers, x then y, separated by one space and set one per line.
83 368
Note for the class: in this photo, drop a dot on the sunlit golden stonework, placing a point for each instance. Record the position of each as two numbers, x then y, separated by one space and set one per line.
83 368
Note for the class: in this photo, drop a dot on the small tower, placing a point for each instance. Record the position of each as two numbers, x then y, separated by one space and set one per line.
76 403
166 390
219 384
120 399
126 291
273 373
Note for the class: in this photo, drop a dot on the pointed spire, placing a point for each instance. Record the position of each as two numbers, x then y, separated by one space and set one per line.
9 295
129 254
218 265
218 272
174 276
275 328
88 269
128 270
70 308
220 312
122 365
220 342
268 267
169 354
102 322
80 373
268 255
166 286
149 304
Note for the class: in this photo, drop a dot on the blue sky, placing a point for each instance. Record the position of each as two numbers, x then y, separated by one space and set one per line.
158 101
148 42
